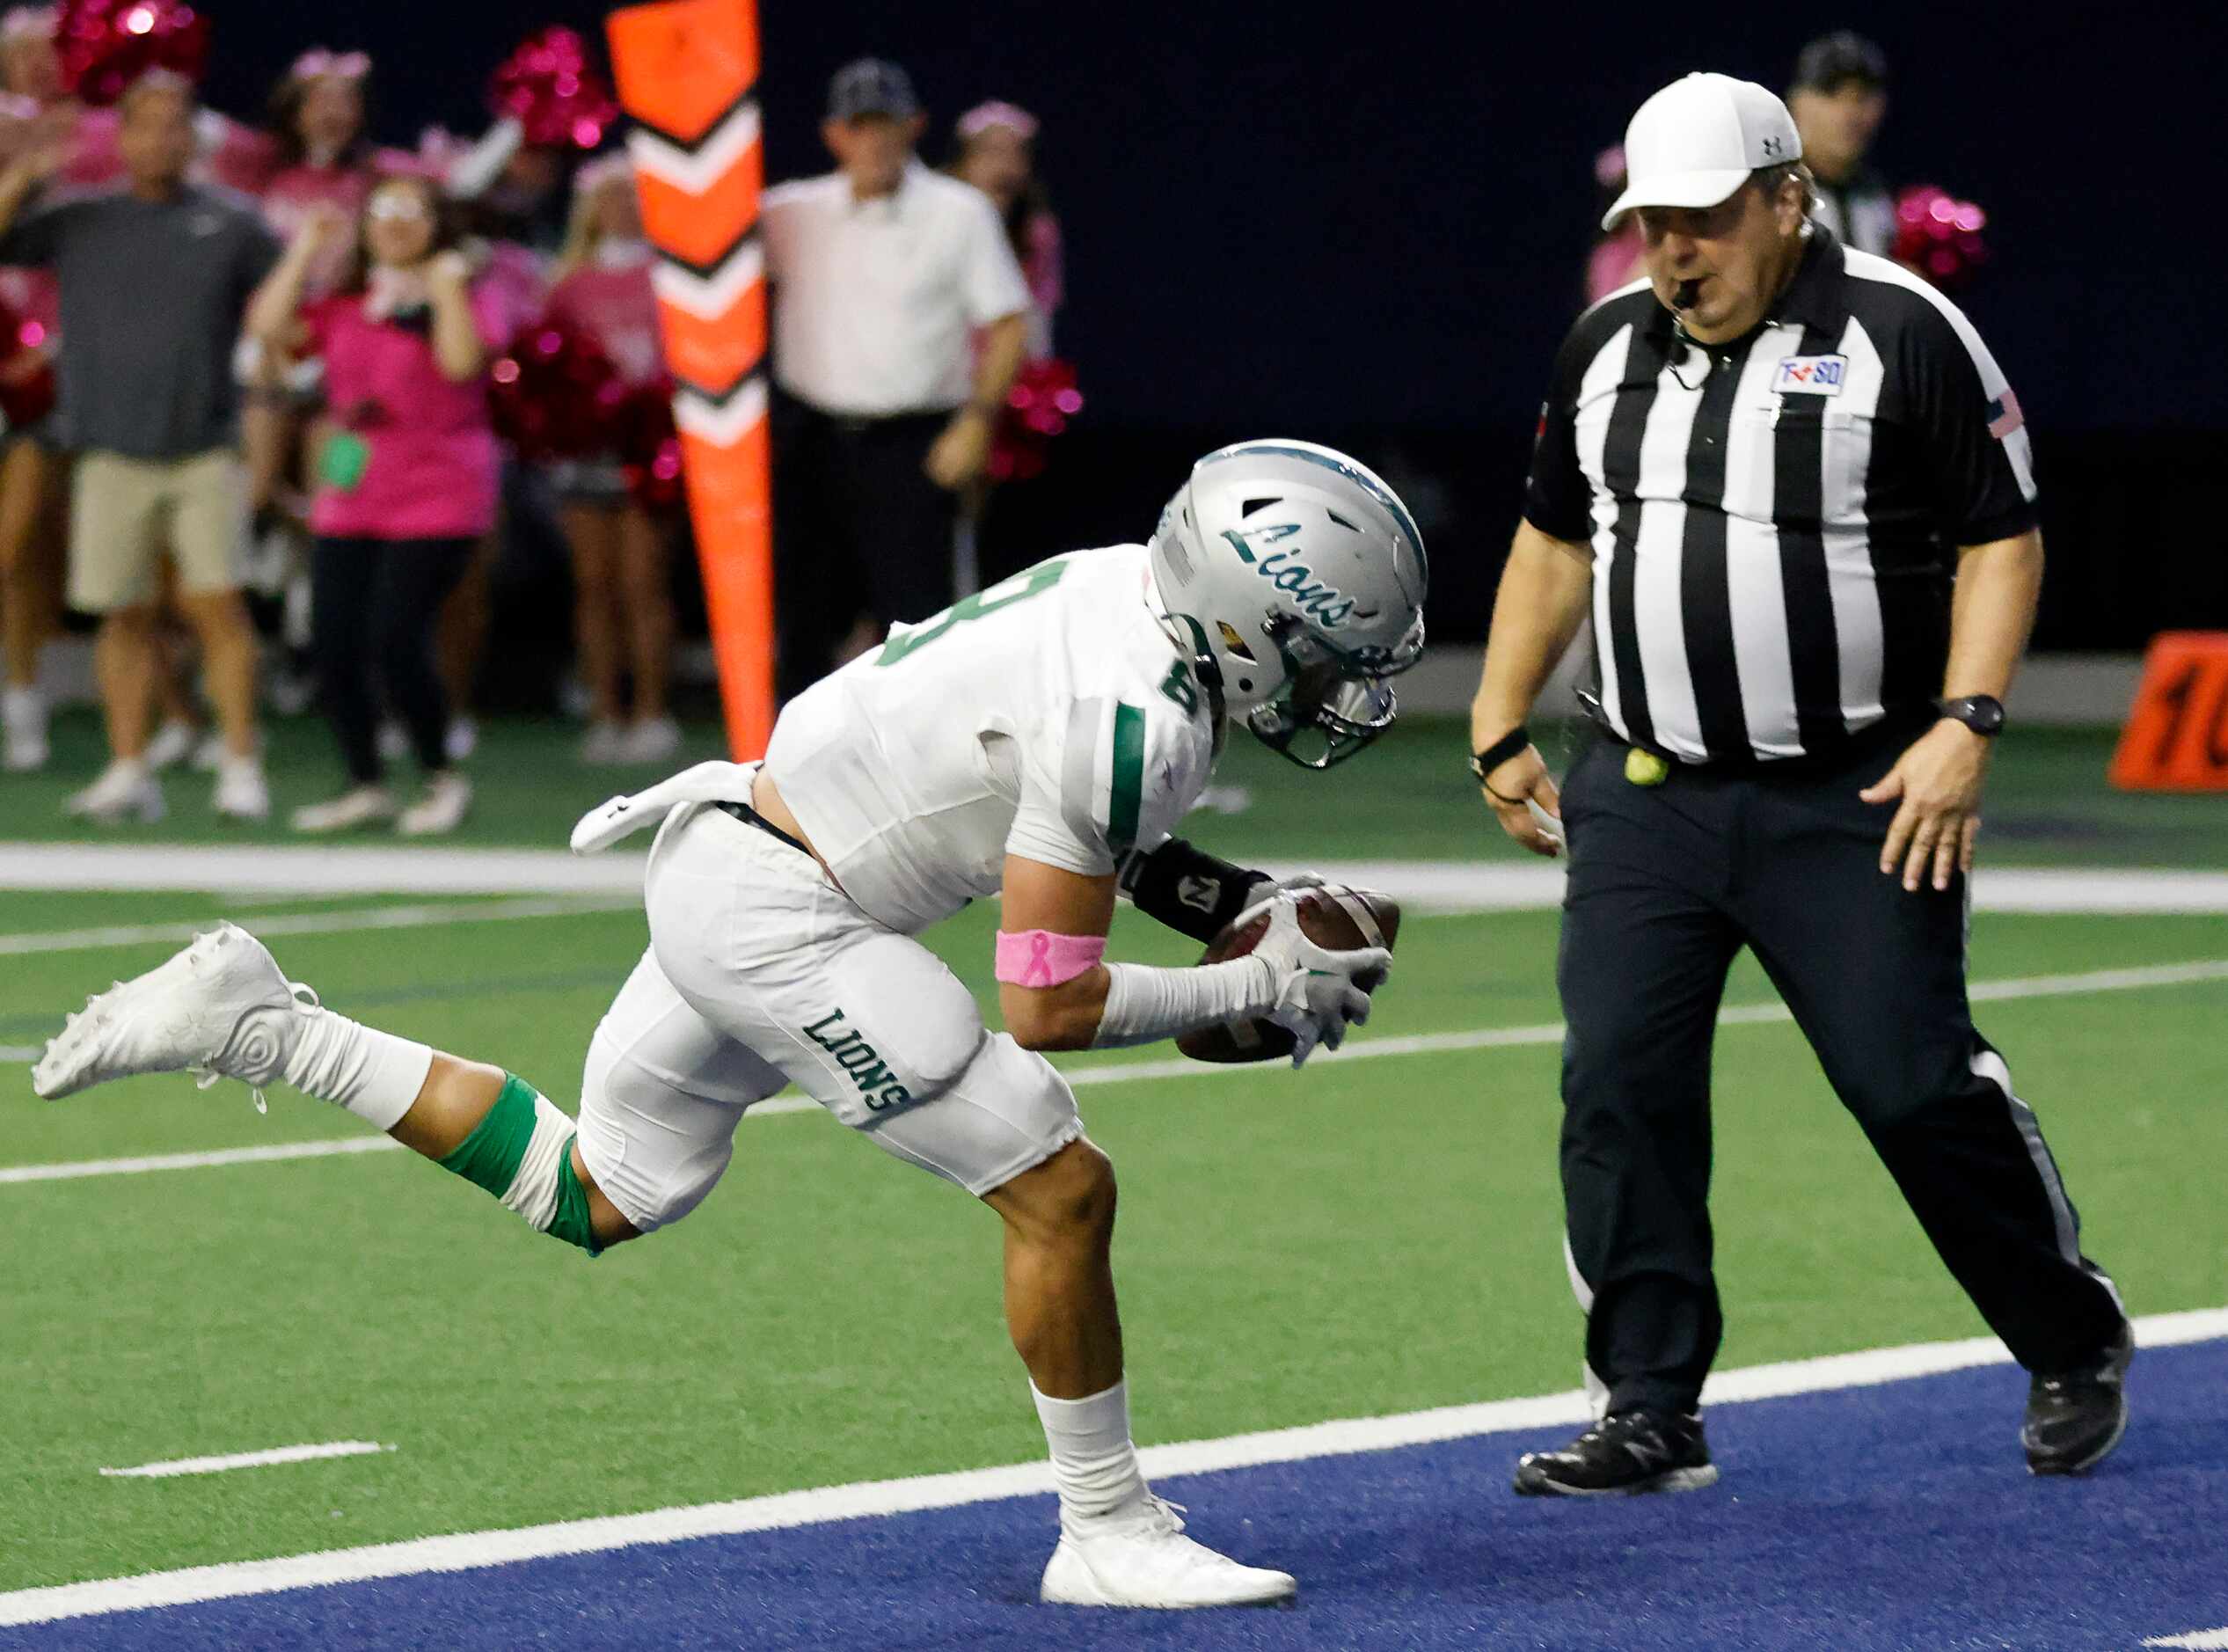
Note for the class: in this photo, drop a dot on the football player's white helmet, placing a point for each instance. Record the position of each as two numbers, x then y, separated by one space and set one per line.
1293 579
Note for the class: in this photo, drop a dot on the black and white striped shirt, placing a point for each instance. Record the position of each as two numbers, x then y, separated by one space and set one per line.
1774 521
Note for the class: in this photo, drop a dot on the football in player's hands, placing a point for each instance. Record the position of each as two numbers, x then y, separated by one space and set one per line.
1335 917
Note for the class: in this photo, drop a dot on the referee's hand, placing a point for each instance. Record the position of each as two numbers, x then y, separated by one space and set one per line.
1937 782
1522 797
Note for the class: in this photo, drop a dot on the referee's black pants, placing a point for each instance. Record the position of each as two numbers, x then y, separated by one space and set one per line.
1667 883
859 530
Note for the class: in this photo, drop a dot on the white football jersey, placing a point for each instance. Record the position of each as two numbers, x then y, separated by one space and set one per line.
1048 717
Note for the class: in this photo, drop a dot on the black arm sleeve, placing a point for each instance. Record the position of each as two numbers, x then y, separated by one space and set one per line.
1187 889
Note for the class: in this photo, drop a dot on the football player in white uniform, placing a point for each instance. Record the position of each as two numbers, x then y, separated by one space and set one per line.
1041 739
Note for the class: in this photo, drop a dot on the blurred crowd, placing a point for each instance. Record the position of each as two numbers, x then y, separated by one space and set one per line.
1837 94
277 398
277 401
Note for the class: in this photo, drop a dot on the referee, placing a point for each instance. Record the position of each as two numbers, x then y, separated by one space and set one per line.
1790 487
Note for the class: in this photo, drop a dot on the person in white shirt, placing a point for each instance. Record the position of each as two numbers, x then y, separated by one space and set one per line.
1038 743
883 272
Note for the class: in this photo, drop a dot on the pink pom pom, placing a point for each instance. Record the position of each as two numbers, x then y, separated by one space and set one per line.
551 90
547 398
1939 235
1038 408
105 45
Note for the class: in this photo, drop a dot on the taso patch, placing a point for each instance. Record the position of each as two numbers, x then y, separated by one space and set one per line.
1810 375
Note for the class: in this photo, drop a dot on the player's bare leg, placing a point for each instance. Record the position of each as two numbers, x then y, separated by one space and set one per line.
221 1008
456 1100
1119 1546
1059 1272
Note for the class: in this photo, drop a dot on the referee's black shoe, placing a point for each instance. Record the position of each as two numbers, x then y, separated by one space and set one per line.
1632 1451
2074 1418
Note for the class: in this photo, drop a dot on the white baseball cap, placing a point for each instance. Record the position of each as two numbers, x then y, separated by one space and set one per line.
1696 142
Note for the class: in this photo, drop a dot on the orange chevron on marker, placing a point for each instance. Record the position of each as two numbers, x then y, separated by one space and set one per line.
681 64
685 69
701 229
717 354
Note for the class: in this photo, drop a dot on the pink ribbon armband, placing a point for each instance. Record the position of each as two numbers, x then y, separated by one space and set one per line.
1038 958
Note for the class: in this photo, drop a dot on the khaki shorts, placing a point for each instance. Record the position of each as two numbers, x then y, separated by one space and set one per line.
124 512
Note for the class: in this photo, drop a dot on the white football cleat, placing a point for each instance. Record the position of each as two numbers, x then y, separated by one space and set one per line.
604 744
652 742
441 809
1143 1558
125 790
363 806
173 743
220 1008
241 791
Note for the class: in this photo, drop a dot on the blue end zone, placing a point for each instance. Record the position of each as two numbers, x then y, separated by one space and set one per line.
1884 1517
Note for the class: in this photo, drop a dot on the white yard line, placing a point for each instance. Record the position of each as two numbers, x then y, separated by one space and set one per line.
2202 970
247 1460
464 1550
419 916
321 869
275 1154
1427 886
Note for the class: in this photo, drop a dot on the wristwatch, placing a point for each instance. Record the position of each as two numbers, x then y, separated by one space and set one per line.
1982 713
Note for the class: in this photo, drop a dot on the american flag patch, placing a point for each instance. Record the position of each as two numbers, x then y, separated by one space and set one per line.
2004 415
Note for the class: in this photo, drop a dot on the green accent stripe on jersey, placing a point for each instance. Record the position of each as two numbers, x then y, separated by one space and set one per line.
490 1157
1129 783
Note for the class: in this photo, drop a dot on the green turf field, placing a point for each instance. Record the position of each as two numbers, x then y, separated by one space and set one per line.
2047 800
1372 1235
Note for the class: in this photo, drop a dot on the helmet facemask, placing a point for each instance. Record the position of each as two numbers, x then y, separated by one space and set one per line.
1292 580
1334 702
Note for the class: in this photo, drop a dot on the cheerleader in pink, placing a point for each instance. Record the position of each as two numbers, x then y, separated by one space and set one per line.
323 153
623 605
321 160
1004 525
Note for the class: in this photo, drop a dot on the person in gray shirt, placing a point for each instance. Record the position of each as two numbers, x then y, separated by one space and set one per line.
154 279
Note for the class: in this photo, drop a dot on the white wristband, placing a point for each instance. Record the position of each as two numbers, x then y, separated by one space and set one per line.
1145 1005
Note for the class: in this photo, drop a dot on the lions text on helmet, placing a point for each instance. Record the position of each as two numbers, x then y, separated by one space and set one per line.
1293 579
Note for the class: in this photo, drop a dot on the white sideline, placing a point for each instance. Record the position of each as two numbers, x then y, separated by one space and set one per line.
465 1551
417 916
246 1459
2202 969
1427 886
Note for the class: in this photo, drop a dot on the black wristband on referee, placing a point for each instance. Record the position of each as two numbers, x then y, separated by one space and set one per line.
1188 890
1515 740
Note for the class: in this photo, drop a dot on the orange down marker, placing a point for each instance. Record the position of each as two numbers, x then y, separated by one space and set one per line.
686 71
2176 735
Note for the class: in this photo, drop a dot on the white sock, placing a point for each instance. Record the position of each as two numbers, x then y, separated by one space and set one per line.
373 1074
1092 1458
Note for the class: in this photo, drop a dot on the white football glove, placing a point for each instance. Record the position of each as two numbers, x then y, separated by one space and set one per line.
1319 993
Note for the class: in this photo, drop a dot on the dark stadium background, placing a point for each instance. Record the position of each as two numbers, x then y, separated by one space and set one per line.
1365 225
